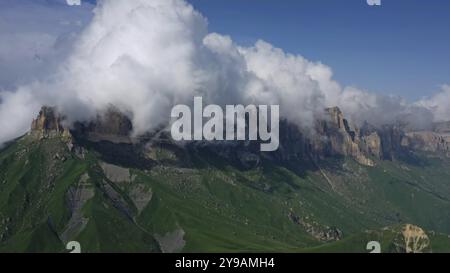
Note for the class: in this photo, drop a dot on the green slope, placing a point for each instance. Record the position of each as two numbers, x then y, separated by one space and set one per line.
211 204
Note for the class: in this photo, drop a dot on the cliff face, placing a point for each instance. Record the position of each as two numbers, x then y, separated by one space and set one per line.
428 142
334 136
342 138
392 137
48 124
436 141
112 126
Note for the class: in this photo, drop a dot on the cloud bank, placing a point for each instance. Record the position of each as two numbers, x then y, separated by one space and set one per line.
145 56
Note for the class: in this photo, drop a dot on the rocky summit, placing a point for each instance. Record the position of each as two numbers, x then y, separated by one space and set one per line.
333 189
48 123
333 136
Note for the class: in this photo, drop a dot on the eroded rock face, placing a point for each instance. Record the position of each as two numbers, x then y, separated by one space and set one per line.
333 136
171 242
112 126
321 233
428 142
77 197
412 239
48 124
345 138
111 123
391 141
373 145
115 173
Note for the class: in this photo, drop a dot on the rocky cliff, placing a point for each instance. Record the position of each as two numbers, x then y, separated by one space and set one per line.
343 138
48 123
334 135
428 141
111 125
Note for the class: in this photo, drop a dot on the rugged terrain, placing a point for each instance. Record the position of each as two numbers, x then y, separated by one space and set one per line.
331 191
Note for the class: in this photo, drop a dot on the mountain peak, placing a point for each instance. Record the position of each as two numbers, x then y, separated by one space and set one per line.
48 123
110 125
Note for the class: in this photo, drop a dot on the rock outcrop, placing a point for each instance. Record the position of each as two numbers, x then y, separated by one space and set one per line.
171 242
77 197
111 125
435 141
48 124
334 135
321 233
412 239
342 138
428 142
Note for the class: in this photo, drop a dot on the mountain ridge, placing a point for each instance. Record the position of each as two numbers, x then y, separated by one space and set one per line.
150 194
333 136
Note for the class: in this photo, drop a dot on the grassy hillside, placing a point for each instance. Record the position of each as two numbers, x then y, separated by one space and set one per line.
110 203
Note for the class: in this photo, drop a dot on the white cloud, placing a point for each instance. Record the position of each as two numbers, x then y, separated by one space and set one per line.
439 104
144 56
15 112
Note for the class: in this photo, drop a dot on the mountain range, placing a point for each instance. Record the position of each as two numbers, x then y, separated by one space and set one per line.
331 190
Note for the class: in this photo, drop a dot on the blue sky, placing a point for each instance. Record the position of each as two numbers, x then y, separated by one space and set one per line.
401 47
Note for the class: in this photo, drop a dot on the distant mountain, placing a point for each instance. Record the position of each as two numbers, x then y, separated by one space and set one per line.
333 190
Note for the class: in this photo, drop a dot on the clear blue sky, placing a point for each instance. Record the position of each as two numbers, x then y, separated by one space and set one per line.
401 47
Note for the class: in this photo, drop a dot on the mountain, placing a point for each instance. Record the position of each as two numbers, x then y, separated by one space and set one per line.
333 190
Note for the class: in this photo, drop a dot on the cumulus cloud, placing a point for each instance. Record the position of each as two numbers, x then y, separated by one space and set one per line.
15 112
439 104
145 56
